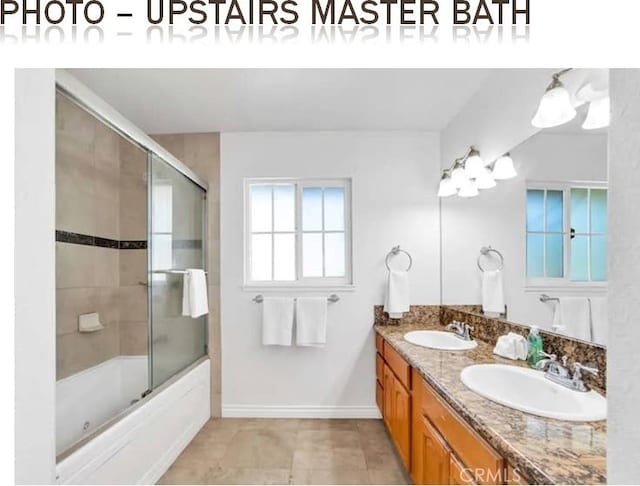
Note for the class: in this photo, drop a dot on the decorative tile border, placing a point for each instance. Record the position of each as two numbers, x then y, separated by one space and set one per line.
88 240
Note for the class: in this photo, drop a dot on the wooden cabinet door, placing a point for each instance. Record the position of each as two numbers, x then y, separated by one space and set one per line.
387 391
458 474
432 459
402 418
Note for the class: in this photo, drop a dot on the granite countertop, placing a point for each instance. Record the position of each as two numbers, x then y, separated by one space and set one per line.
546 451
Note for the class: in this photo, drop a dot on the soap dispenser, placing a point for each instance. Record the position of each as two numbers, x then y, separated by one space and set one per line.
534 342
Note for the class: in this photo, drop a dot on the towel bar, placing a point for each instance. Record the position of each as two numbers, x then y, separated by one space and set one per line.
545 298
258 299
174 272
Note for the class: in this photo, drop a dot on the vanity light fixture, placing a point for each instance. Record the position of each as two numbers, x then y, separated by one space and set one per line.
458 174
447 187
469 173
503 168
469 189
599 115
473 165
485 180
555 107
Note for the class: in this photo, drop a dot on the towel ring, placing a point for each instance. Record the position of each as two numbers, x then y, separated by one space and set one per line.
484 251
394 251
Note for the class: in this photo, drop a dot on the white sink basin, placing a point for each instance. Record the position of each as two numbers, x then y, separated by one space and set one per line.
439 340
529 391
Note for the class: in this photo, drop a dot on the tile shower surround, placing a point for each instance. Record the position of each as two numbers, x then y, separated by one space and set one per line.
488 330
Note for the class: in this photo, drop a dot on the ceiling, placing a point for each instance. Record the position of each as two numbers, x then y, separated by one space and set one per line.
225 100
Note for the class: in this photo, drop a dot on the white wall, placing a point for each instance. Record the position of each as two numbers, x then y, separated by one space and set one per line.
623 367
394 181
35 329
497 217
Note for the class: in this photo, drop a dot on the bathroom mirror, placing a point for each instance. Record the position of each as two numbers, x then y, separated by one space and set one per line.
548 227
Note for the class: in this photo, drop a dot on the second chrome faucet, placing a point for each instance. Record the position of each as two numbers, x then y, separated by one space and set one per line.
559 373
460 330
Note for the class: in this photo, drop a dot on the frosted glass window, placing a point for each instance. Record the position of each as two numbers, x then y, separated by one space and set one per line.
334 254
566 233
598 211
599 258
284 207
298 232
312 255
284 257
554 256
535 210
334 209
555 212
312 209
261 202
535 255
580 210
580 259
261 257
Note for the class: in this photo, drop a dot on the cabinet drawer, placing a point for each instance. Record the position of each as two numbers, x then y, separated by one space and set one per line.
379 367
380 397
399 366
379 343
474 452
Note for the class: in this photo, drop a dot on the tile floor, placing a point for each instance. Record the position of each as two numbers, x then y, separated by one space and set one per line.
289 451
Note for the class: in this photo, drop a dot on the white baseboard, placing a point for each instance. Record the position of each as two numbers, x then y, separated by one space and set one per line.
300 411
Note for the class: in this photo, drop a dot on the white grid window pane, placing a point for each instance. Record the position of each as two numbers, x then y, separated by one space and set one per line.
334 209
312 255
261 254
284 207
312 209
261 198
334 255
284 257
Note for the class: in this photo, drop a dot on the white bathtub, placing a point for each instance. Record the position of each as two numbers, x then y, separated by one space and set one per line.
142 444
96 395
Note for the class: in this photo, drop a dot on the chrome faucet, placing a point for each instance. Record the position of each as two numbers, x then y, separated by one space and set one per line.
559 373
460 330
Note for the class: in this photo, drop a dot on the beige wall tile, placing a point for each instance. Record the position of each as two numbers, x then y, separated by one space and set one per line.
75 265
133 338
107 202
133 207
70 303
75 188
76 352
173 143
107 267
133 303
133 267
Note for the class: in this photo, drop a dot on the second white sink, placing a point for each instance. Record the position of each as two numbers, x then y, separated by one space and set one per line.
445 341
529 391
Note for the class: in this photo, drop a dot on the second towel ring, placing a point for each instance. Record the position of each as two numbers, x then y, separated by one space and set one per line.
484 251
394 251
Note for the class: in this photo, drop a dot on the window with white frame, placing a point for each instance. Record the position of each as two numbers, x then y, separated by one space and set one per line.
566 233
298 232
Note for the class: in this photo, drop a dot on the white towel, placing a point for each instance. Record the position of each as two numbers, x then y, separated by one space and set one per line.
397 299
573 317
194 293
277 321
311 321
511 346
599 320
492 293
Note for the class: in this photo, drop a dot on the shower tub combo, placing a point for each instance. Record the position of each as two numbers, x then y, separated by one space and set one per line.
123 414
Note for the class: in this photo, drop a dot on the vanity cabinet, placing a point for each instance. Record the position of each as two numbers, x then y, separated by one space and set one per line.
435 444
394 382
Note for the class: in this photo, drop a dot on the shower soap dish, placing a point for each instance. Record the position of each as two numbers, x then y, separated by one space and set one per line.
89 323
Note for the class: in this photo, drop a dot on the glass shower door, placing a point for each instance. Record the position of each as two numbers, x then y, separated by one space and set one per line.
176 242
